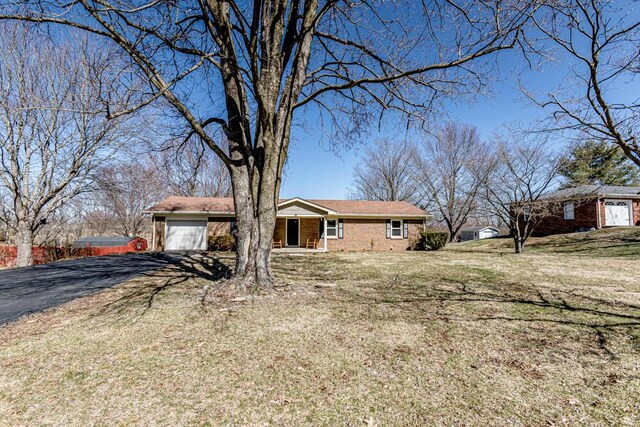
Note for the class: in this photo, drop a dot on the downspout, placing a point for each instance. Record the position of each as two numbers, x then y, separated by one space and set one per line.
598 209
324 232
153 239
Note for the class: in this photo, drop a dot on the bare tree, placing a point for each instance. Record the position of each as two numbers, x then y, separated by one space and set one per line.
53 130
259 61
523 170
452 166
124 191
194 170
386 171
600 41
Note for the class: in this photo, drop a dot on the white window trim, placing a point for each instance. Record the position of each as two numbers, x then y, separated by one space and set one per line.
336 228
573 211
401 236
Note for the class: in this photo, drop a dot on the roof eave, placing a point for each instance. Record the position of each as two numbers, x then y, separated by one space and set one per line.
219 213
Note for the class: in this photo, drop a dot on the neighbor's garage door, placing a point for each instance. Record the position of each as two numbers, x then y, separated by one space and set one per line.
186 235
617 212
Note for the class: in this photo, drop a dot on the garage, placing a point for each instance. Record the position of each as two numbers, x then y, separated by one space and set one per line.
617 212
186 235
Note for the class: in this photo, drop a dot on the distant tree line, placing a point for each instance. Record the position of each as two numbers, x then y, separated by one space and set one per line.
465 181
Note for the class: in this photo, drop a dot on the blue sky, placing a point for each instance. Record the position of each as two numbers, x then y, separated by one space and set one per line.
316 171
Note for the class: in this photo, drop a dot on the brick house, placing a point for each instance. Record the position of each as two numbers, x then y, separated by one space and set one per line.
591 207
187 223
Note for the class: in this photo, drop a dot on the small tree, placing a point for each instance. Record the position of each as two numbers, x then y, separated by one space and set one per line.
387 171
53 128
124 191
598 163
452 166
522 171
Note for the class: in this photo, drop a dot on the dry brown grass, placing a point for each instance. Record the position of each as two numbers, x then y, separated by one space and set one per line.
448 338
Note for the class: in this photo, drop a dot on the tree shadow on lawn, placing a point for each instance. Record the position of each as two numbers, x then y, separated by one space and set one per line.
139 295
457 301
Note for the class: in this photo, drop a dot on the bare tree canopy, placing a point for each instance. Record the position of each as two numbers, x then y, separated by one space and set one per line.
386 171
523 170
453 164
124 191
53 130
193 170
253 63
599 42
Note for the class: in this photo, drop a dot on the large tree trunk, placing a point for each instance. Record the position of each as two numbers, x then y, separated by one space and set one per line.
255 191
24 245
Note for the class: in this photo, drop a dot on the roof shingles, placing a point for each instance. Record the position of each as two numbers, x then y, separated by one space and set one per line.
345 207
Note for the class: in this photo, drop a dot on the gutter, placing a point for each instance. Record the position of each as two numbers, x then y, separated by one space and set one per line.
336 215
598 212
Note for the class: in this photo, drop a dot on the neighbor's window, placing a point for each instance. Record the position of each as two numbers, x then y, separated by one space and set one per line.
332 228
396 229
569 211
525 213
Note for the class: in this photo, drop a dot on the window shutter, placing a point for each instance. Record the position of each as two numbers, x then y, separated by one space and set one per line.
340 229
405 231
388 229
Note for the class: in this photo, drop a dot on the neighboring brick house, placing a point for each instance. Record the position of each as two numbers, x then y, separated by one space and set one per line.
187 223
592 207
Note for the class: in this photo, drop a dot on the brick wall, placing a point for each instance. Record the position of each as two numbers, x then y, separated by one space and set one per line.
309 230
218 226
585 216
359 234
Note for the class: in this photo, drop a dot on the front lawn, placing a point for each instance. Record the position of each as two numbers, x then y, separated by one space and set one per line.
445 338
607 242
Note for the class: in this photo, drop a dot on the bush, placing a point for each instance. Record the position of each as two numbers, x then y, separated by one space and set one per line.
434 240
224 243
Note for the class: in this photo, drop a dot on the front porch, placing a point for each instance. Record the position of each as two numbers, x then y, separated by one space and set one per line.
300 234
296 251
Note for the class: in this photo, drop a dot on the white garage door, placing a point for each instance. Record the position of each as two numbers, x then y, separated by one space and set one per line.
186 235
487 234
617 212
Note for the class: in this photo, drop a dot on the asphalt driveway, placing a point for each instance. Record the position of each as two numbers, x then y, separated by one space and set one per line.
30 289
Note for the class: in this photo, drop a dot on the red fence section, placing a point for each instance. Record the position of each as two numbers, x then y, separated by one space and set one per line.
45 254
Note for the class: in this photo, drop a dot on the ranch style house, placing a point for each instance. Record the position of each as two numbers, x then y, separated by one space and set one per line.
588 207
189 223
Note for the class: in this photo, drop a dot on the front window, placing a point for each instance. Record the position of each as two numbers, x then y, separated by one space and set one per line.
396 229
569 211
332 228
525 213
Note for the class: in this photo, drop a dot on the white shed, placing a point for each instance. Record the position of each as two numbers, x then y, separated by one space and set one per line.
478 232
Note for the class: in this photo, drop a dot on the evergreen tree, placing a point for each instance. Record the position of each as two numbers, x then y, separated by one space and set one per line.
598 163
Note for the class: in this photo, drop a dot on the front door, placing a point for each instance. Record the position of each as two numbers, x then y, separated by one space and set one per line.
293 232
